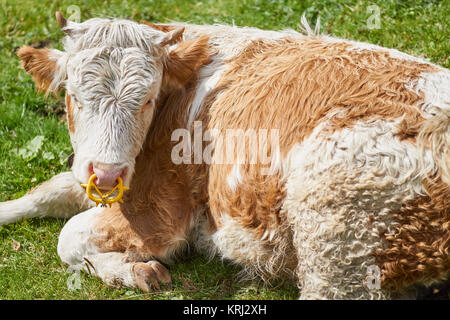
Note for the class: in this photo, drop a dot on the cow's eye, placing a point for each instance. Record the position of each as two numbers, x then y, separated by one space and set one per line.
76 102
147 104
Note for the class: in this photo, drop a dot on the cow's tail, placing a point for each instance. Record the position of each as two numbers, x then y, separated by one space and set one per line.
60 197
434 135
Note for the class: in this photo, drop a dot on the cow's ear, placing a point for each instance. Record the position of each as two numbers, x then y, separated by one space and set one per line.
42 65
183 61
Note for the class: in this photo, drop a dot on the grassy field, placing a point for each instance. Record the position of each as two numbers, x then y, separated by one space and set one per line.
34 142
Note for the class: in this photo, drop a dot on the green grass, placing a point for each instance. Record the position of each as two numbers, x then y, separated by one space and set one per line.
34 271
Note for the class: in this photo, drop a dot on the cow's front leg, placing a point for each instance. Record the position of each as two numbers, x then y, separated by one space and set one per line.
84 246
60 197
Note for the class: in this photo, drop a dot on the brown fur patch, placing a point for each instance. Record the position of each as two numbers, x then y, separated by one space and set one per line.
293 86
419 249
309 80
37 63
183 62
256 203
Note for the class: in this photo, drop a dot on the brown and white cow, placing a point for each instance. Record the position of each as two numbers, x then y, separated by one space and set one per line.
358 181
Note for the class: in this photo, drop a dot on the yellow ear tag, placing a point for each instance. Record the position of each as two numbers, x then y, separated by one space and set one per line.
104 199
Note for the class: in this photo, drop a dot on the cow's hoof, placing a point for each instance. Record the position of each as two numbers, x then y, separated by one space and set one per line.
148 275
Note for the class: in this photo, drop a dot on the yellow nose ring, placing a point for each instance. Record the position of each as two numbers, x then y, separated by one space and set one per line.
104 199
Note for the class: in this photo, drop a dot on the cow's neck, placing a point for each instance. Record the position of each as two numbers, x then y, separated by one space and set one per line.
158 184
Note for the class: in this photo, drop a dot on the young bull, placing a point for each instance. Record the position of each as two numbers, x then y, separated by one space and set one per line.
353 202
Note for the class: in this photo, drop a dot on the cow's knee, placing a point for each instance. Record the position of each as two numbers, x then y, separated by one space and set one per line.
75 239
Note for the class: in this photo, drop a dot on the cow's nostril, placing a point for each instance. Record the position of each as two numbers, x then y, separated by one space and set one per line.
90 170
107 175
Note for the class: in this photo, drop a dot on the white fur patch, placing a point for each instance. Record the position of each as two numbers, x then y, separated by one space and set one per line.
75 238
435 86
267 258
364 145
235 177
208 77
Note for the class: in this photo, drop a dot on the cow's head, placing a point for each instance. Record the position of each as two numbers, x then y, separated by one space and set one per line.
112 72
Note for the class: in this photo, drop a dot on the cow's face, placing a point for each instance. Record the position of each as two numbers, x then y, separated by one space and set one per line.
112 72
110 99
